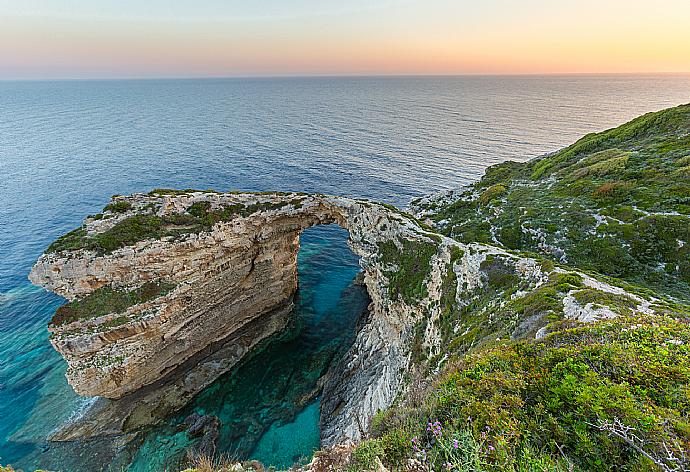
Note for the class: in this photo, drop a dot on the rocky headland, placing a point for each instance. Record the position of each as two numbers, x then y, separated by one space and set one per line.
536 320
169 290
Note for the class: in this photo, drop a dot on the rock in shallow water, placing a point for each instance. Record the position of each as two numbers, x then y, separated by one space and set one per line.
205 427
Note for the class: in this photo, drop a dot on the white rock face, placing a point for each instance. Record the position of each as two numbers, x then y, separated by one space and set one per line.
587 313
230 277
225 278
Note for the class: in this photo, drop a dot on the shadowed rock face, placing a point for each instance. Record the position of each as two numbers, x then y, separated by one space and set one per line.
154 403
235 272
231 262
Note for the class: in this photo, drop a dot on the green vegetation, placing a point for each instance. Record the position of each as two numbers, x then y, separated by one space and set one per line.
105 300
492 193
608 396
121 206
139 227
170 191
126 232
412 262
615 203
623 304
68 242
485 394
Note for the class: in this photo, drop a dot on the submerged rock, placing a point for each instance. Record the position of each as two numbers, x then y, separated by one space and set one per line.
205 427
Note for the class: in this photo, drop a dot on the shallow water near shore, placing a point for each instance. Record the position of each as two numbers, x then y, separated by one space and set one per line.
267 406
65 147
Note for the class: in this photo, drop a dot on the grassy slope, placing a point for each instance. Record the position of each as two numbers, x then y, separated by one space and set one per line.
616 202
611 395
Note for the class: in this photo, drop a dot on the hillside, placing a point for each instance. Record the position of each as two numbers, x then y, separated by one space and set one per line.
604 393
537 320
616 203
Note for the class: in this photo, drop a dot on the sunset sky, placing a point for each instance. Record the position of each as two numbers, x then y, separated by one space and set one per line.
157 38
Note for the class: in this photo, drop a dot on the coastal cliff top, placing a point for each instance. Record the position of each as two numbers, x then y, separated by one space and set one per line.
542 313
616 203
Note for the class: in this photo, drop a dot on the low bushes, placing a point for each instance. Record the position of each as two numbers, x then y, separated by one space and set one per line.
607 396
105 300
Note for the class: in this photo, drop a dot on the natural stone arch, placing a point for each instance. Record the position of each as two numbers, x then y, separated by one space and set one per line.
231 286
240 249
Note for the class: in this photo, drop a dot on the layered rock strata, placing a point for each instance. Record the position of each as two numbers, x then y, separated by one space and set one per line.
231 262
154 403
237 270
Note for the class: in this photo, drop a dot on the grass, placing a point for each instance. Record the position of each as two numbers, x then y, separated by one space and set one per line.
105 300
528 404
412 262
616 203
199 217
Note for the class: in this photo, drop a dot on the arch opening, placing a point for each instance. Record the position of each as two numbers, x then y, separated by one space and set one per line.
268 406
234 289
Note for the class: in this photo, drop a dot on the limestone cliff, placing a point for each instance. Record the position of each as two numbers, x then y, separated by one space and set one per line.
162 281
171 289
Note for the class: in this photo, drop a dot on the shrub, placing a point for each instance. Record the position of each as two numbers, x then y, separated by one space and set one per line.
611 192
555 396
75 239
170 191
199 217
492 193
413 263
121 206
105 300
127 232
511 237
366 453
395 447
499 275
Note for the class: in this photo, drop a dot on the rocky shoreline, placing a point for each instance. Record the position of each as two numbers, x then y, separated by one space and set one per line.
232 288
498 309
225 279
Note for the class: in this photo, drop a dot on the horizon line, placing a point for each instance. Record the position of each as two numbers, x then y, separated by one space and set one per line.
336 76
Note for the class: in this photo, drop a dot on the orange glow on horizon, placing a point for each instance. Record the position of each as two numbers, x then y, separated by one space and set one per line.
69 47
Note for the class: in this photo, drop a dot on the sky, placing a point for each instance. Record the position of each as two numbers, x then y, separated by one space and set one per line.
43 39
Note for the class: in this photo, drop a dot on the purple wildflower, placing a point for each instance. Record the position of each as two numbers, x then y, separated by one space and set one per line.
434 428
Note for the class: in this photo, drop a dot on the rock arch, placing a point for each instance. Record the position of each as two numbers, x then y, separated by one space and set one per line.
228 264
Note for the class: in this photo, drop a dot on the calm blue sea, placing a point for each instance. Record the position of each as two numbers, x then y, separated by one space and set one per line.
65 147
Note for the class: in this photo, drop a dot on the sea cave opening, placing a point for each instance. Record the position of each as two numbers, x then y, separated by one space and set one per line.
268 406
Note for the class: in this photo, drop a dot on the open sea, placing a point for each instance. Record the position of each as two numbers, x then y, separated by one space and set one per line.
66 146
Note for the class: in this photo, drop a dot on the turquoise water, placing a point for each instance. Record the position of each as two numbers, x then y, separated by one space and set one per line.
65 147
268 406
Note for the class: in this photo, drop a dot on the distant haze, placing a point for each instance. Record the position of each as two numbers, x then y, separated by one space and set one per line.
41 39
